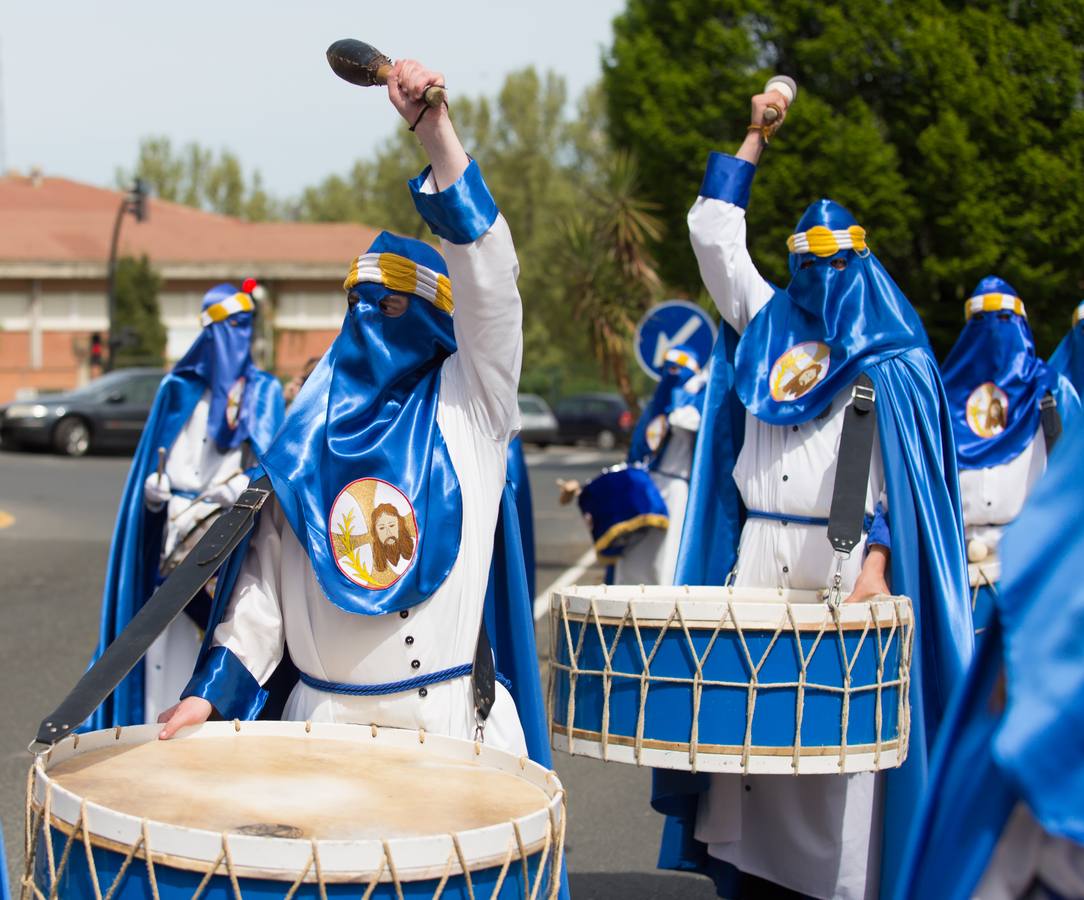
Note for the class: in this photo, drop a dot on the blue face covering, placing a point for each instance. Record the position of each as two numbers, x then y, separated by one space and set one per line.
672 392
1068 358
813 339
222 357
360 468
994 380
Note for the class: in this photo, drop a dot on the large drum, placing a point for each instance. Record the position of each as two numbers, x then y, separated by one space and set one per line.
285 809
713 679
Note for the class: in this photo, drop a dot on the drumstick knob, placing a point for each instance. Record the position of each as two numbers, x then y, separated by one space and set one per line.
786 86
977 550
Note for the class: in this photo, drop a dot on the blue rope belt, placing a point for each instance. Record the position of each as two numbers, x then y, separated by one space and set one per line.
189 495
394 687
798 520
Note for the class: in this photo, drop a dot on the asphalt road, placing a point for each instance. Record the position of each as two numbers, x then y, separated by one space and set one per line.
52 560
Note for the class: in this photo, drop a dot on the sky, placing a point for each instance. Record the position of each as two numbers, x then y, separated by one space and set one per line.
81 82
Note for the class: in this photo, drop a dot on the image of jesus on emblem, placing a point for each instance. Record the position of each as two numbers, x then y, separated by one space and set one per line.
374 533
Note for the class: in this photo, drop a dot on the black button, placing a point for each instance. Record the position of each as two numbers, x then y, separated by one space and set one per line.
748 787
403 613
783 521
415 664
409 640
786 569
785 477
989 502
422 692
793 427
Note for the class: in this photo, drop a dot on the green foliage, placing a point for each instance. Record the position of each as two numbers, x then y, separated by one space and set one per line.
138 323
194 176
954 131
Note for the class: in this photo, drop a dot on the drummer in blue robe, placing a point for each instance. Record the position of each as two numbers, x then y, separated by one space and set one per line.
1007 408
1068 357
1003 813
782 374
392 512
635 511
213 413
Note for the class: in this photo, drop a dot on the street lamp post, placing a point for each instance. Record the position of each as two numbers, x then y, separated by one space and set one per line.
134 202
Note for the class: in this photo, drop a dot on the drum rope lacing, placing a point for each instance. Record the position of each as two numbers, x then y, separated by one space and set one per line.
901 631
39 830
982 581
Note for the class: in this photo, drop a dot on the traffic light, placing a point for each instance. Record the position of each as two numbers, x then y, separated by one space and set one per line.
137 200
95 349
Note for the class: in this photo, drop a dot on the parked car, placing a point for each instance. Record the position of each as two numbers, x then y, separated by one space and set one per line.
603 419
539 424
107 414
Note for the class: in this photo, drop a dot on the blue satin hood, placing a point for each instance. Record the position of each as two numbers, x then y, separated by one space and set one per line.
222 357
1068 358
994 380
360 468
813 339
679 386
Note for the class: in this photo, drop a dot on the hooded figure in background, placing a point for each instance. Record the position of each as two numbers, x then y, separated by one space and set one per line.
782 372
392 509
1068 356
213 414
1003 813
1007 409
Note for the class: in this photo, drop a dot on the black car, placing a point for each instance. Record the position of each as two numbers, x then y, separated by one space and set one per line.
106 414
603 419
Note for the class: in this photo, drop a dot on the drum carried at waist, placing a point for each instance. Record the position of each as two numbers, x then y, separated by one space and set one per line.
619 506
716 679
277 809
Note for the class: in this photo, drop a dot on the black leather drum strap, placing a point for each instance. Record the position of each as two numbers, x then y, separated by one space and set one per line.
172 596
483 677
1051 419
848 510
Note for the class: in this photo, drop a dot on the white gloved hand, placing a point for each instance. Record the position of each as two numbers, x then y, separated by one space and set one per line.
157 491
226 494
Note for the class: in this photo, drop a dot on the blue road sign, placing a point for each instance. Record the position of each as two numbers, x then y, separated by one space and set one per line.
670 324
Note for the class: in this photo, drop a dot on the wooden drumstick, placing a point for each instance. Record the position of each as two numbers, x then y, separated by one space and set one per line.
786 86
362 64
161 464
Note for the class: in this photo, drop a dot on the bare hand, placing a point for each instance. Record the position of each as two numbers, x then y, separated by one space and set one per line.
761 102
570 490
871 580
190 711
407 82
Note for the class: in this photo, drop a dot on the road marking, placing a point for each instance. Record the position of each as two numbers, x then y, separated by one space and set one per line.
575 458
567 577
6 519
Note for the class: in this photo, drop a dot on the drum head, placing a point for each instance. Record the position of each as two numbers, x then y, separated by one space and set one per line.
295 787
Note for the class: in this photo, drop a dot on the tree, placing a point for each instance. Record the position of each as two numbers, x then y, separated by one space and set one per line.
139 326
954 132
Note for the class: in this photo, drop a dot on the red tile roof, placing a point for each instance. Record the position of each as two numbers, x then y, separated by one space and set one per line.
59 220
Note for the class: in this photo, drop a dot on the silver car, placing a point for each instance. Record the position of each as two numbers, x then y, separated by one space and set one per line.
539 422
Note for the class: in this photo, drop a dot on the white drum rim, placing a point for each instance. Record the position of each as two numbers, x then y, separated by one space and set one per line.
283 859
706 607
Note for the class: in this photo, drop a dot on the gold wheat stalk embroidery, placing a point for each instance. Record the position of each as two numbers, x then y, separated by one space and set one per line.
352 553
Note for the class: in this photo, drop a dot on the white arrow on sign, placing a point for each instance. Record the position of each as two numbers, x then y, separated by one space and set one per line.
664 343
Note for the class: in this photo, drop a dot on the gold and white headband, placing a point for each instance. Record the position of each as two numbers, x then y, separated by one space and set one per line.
821 241
402 275
681 358
219 312
994 303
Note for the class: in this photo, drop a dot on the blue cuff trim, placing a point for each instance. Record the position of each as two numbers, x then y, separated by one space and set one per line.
461 213
728 178
222 680
879 533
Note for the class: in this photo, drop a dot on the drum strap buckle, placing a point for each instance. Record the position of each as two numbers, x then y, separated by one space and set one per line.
835 592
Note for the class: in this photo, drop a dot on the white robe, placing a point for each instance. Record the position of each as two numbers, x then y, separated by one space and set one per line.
818 834
652 559
277 597
1027 856
194 465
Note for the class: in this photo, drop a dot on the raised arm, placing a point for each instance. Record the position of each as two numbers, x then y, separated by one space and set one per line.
717 225
454 200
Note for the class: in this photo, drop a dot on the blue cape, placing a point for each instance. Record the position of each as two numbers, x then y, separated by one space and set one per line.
4 891
991 755
137 537
994 382
521 487
672 392
370 409
928 561
1068 356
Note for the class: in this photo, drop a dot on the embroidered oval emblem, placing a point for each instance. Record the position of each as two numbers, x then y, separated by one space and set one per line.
233 403
798 371
656 432
373 533
987 410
